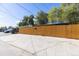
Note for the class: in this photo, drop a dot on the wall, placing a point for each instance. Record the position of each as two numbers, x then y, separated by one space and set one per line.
68 31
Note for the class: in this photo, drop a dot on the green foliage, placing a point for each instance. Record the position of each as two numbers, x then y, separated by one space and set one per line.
27 21
55 14
71 13
24 22
42 17
31 21
67 12
52 14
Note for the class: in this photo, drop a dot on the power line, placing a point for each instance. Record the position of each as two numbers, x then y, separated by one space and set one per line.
36 6
24 8
39 8
46 7
2 11
8 12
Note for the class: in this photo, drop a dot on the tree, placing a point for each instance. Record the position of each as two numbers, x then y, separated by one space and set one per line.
55 15
66 13
20 24
71 13
24 22
31 21
42 17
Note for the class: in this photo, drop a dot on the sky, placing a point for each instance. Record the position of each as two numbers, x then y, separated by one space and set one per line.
12 13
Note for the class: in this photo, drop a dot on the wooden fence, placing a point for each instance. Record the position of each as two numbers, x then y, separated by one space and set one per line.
68 31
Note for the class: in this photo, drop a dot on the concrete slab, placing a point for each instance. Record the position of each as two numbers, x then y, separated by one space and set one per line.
4 34
43 45
27 42
8 50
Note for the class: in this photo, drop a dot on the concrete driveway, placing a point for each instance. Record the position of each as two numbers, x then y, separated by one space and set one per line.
21 44
4 34
9 50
